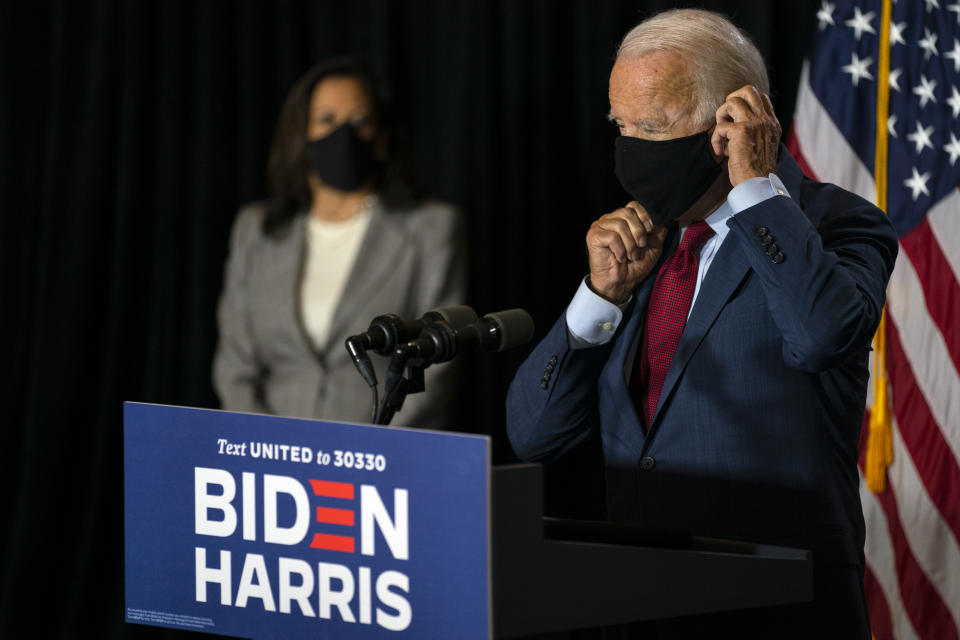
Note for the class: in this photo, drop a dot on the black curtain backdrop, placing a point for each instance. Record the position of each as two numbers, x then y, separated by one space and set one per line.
130 133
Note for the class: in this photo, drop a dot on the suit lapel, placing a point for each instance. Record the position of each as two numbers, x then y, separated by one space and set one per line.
381 244
291 261
727 271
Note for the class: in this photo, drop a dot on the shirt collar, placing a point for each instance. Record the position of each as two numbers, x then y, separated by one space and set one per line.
717 220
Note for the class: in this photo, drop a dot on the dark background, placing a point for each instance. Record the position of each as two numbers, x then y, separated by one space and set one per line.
130 132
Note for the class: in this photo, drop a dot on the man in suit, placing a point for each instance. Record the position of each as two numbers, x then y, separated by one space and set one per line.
719 344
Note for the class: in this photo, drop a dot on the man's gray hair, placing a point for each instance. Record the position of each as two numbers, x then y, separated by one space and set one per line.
721 56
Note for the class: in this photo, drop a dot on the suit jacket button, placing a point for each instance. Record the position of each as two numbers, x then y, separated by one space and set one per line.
647 463
772 248
767 239
777 259
543 384
761 231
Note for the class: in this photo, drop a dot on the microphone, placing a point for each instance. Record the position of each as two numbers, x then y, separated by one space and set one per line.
501 330
388 331
440 342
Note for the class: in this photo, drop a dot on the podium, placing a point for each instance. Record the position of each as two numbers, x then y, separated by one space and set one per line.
552 575
267 527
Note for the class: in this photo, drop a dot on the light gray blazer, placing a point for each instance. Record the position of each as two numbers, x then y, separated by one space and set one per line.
409 262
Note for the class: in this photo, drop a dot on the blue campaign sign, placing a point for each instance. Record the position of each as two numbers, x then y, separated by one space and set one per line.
267 527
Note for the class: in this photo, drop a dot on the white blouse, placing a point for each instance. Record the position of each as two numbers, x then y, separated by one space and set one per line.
332 248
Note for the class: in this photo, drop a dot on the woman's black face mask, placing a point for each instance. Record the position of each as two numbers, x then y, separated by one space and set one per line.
342 159
666 176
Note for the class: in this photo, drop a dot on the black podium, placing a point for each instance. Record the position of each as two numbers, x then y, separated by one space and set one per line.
552 575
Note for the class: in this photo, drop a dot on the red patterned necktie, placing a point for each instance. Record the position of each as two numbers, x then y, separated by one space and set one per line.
666 317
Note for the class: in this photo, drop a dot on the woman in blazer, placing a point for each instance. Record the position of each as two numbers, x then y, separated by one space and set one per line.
345 237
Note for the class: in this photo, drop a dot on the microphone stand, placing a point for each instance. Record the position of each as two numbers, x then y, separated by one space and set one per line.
397 387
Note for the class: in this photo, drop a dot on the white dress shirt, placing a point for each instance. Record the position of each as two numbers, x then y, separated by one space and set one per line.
592 320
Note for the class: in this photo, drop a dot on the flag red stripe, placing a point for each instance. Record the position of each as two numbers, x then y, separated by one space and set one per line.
881 624
922 602
793 146
880 621
932 457
940 289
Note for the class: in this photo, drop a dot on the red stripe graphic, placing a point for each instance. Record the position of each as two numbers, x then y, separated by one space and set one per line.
335 516
332 489
936 466
940 289
332 543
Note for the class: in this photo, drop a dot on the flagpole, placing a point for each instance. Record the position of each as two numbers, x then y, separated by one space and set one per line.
879 454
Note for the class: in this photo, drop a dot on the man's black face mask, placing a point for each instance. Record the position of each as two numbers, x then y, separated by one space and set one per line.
342 159
666 176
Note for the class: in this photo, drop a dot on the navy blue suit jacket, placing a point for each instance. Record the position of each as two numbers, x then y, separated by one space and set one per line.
755 434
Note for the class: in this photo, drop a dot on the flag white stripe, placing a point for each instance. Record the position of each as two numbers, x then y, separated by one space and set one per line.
878 550
931 540
826 150
926 350
944 221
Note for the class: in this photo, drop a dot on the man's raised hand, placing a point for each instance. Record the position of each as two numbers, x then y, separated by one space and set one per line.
748 134
623 246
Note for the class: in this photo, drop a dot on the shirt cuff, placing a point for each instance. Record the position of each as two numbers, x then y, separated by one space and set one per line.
592 320
754 191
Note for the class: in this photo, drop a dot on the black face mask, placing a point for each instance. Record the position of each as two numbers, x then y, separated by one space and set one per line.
666 176
342 159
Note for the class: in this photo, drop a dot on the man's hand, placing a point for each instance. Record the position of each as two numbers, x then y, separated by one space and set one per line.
623 247
748 133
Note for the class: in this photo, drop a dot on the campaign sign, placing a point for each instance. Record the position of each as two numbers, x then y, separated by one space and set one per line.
266 527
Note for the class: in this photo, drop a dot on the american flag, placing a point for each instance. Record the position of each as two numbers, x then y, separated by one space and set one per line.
913 527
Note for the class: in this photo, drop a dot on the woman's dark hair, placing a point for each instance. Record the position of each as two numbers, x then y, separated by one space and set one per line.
288 165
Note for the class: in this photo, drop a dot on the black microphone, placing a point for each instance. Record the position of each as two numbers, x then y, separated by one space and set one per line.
501 330
439 342
388 331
